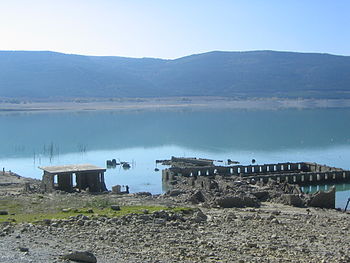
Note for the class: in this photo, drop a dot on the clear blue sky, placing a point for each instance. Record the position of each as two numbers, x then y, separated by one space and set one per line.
170 29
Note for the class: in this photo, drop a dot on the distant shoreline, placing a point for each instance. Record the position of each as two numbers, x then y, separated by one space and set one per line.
171 103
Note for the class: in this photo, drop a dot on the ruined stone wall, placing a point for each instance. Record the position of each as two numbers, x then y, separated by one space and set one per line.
314 167
299 173
93 182
65 182
305 177
192 161
47 183
243 170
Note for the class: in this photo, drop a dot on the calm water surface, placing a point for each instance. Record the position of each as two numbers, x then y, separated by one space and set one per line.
29 140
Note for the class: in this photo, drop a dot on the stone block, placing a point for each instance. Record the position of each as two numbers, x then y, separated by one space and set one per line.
323 199
292 200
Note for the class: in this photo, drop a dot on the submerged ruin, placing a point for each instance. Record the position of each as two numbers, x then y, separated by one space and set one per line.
248 185
87 177
294 173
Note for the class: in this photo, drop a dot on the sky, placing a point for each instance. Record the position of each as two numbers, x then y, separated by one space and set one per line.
172 29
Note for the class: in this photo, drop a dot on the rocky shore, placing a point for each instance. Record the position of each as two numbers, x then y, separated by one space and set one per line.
179 230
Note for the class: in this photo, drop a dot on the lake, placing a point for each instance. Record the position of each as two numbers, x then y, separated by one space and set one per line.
29 140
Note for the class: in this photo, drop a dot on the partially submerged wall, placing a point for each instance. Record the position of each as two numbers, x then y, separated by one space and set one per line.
299 173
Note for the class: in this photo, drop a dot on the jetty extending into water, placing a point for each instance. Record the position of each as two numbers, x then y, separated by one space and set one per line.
294 173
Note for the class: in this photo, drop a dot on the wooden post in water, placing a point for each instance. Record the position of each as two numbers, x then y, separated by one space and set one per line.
346 207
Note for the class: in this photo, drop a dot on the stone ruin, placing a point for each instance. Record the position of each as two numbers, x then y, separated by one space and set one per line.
87 177
247 185
295 173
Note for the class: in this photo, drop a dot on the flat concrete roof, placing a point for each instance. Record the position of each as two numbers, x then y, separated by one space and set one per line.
72 168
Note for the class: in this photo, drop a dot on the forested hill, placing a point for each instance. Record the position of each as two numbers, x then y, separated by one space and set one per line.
43 74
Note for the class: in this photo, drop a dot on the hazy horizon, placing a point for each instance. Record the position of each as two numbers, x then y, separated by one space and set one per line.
186 55
168 30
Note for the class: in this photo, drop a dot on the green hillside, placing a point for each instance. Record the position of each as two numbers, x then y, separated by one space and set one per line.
34 74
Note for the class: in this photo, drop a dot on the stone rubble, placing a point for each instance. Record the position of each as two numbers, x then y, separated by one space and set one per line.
262 223
269 233
234 191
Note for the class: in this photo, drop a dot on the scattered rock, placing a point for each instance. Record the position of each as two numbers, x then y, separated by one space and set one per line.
293 200
174 192
237 201
143 194
274 221
230 217
199 216
252 245
250 201
230 201
46 222
115 207
275 212
197 197
85 256
80 222
7 229
160 221
23 249
261 195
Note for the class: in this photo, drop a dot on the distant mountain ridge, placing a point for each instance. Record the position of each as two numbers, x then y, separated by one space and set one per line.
45 74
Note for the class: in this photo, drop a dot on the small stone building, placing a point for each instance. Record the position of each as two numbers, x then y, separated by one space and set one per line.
87 177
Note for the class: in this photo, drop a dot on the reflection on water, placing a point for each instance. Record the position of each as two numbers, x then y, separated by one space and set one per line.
214 131
29 140
326 187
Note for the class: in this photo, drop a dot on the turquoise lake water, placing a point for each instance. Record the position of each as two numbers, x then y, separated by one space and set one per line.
29 140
